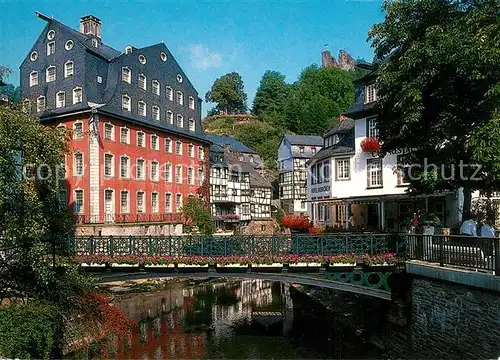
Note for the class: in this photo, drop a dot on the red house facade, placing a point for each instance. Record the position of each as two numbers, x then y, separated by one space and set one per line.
134 125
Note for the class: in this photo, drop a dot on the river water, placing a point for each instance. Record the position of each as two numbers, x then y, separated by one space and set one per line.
246 319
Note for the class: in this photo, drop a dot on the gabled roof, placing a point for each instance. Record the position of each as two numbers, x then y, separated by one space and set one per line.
344 126
233 143
256 179
308 140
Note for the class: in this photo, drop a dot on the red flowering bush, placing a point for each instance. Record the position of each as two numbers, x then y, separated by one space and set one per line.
92 259
125 259
342 259
159 260
370 145
295 222
380 259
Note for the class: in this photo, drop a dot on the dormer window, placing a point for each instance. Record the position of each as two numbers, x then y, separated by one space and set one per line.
77 95
191 102
60 99
370 93
69 69
155 86
180 121
40 103
51 48
170 117
141 108
191 125
156 113
170 93
125 103
126 74
34 78
50 74
128 49
95 43
142 81
179 98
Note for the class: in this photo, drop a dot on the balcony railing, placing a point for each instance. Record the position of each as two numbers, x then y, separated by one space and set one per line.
129 218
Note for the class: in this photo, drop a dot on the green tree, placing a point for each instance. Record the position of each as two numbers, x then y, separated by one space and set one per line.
228 93
270 98
318 97
197 216
439 89
11 91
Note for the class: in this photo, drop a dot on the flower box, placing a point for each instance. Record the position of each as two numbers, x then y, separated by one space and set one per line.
125 265
267 265
232 266
298 264
384 264
191 266
160 266
343 264
314 264
93 265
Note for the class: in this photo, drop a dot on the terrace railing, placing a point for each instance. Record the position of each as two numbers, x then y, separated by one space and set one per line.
475 253
331 244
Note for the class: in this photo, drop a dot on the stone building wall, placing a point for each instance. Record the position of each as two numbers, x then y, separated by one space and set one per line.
454 321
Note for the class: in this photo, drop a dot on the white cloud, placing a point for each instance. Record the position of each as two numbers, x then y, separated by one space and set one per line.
202 57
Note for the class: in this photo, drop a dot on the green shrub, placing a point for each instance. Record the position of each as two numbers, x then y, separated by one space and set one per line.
28 331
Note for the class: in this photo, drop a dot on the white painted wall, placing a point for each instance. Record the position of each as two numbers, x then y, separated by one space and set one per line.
285 154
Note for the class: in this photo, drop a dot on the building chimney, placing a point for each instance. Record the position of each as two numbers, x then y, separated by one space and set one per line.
90 25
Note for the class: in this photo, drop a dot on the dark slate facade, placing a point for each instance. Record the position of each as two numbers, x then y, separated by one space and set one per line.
360 109
98 71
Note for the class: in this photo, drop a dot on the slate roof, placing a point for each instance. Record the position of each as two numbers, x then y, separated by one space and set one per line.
344 126
256 179
336 150
345 146
233 143
307 140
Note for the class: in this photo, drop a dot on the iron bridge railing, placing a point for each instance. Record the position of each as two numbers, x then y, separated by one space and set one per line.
248 245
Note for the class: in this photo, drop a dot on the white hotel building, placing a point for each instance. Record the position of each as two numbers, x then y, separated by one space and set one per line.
342 179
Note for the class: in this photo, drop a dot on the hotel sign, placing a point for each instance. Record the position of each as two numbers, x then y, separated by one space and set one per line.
320 189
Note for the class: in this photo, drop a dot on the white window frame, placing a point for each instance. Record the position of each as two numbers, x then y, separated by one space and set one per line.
167 174
155 87
179 118
169 93
48 78
201 176
370 93
80 209
143 104
372 127
141 78
60 104
170 117
40 108
51 48
168 145
69 69
201 153
192 124
155 113
126 103
77 135
126 75
168 204
178 174
191 150
155 171
127 140
127 168
112 165
178 150
190 179
75 164
143 205
342 169
33 78
75 93
143 145
155 209
179 99
126 209
112 134
157 147
142 167
372 173
191 103
177 206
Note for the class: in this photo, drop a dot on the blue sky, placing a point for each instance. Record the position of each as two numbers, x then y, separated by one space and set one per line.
208 38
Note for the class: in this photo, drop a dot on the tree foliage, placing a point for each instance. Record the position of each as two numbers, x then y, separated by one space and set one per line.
270 98
197 216
228 93
318 97
439 89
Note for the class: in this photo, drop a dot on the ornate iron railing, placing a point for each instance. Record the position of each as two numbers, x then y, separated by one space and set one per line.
476 253
129 218
247 245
